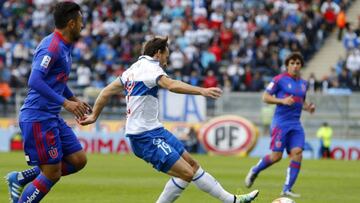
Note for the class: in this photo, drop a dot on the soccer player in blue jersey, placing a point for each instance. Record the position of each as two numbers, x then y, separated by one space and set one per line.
50 145
288 92
148 138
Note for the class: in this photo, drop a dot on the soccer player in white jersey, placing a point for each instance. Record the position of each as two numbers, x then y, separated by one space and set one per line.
149 140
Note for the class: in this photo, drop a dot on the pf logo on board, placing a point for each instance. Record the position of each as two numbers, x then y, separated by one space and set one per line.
229 135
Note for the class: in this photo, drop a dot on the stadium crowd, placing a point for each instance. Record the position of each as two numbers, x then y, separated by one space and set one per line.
345 74
237 45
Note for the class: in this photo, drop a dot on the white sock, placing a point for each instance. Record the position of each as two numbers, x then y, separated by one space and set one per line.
205 182
172 190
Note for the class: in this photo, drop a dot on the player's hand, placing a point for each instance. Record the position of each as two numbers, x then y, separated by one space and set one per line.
288 100
212 92
88 107
79 109
86 119
311 108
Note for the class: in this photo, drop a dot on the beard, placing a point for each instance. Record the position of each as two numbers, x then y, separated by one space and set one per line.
75 36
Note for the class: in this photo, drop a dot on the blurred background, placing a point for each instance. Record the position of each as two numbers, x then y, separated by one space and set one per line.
235 45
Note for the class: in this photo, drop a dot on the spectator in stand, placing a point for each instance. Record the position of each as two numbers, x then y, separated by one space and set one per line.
249 30
333 78
341 22
5 94
177 59
353 64
194 78
351 40
330 9
357 30
248 77
210 80
344 79
312 83
257 83
83 76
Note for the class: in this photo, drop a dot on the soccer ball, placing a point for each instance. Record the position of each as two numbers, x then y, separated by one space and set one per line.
283 200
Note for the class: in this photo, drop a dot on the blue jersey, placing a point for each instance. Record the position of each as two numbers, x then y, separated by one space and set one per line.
52 61
284 85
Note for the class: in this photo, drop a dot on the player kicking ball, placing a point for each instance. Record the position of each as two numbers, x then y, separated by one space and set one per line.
149 140
288 92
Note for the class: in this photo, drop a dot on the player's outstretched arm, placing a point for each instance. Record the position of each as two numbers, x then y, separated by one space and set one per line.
180 87
113 88
270 99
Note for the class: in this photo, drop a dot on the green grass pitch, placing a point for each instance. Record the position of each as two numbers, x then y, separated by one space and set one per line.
125 178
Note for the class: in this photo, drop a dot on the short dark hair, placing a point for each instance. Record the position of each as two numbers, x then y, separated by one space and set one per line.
64 12
152 46
294 56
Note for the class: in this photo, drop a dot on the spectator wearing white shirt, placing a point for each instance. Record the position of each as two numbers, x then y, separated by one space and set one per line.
177 59
83 73
353 64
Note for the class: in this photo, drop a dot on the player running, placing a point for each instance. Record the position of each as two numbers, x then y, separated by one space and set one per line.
49 143
148 138
288 92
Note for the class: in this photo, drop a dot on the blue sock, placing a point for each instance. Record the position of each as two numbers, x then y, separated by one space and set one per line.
292 173
67 168
36 190
262 164
29 175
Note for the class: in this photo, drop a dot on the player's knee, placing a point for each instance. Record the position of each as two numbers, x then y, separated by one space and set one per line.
276 157
194 165
81 163
53 175
297 157
188 175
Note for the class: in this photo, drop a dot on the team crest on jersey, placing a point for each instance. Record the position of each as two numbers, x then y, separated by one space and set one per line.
45 61
278 144
130 84
53 153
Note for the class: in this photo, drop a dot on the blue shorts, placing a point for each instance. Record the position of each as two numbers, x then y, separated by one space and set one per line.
46 142
159 147
287 137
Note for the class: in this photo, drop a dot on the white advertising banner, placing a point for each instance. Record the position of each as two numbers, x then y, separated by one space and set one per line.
181 108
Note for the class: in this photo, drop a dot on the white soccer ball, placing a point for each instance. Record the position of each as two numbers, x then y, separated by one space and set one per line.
283 200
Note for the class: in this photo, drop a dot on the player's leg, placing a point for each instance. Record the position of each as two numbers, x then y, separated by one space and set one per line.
73 163
42 147
74 158
186 169
327 153
181 171
182 174
207 183
37 189
296 143
277 145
